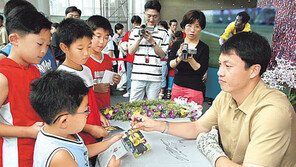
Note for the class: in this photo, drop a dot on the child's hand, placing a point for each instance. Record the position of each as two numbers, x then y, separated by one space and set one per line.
113 162
115 138
34 129
116 78
102 88
98 131
104 121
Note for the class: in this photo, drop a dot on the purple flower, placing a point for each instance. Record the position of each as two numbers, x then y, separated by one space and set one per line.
149 113
171 112
128 115
162 115
172 116
116 110
108 116
159 107
144 107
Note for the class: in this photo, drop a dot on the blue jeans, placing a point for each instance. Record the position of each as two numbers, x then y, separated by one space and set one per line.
164 71
129 69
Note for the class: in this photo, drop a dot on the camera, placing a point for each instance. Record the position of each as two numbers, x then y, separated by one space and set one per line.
187 52
144 28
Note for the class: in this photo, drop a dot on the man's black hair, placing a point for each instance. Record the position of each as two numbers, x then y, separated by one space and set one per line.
245 16
55 92
136 19
251 47
118 26
55 25
72 29
193 15
172 21
179 34
97 21
154 4
17 3
164 24
25 21
72 9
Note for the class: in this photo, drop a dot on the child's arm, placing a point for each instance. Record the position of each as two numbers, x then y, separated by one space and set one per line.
97 148
116 78
95 131
62 158
10 130
102 88
104 121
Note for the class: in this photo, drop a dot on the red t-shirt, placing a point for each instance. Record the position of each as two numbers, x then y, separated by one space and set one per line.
17 111
98 68
129 58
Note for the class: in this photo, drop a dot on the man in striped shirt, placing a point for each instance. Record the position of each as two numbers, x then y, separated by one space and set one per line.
149 48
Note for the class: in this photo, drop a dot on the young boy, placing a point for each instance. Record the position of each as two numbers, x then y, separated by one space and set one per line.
29 34
60 98
75 41
99 62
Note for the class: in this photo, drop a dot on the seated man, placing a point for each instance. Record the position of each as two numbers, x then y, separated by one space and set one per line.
239 25
257 124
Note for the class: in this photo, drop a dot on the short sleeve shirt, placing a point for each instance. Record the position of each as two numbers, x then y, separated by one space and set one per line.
261 131
231 29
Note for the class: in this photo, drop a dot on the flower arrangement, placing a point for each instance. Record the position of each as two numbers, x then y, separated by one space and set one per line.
154 109
283 77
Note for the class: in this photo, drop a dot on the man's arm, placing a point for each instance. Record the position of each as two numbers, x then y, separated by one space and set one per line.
224 161
188 130
10 130
134 47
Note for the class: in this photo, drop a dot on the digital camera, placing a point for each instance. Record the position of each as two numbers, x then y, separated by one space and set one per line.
187 52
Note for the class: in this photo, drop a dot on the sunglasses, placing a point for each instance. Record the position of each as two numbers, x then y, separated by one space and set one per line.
85 112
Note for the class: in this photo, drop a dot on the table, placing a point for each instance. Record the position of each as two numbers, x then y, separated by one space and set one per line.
166 150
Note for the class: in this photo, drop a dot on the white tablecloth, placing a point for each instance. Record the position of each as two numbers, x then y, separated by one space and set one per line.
166 151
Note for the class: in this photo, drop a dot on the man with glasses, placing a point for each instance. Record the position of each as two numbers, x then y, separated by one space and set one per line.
149 46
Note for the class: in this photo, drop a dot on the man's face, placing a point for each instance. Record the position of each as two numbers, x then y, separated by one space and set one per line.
99 40
151 17
233 77
239 23
174 26
73 15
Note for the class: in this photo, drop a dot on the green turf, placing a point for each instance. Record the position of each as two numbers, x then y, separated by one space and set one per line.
218 29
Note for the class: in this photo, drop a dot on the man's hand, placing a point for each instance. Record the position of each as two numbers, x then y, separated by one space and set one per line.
148 37
207 143
147 124
116 78
102 88
98 131
34 129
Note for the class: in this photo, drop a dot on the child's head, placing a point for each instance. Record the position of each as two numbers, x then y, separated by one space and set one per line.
75 40
17 3
179 35
118 28
29 34
101 28
58 97
163 24
136 20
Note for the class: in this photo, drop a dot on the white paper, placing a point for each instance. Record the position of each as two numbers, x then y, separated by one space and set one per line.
166 150
108 77
118 149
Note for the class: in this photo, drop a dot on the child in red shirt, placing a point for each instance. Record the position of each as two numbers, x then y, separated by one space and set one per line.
99 62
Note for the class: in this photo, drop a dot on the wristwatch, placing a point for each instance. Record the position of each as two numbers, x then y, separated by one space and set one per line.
154 44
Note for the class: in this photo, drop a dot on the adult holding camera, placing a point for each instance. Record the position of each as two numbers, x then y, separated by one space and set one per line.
190 57
150 44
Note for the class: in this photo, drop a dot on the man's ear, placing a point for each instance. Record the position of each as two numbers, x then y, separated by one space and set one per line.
64 47
255 70
14 39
